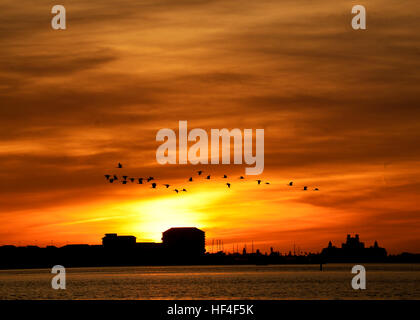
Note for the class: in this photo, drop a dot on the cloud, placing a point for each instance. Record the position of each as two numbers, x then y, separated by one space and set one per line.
335 104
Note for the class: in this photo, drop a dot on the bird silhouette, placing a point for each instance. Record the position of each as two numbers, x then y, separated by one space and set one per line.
184 190
267 183
190 179
124 182
153 185
115 177
228 184
176 190
241 177
259 181
107 176
224 176
140 181
111 180
150 179
167 185
119 165
316 189
125 177
208 177
199 172
291 183
132 180
305 188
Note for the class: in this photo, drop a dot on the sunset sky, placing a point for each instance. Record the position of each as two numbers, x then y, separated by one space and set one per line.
340 109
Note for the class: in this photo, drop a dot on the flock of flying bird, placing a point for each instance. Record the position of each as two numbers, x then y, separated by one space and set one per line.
125 179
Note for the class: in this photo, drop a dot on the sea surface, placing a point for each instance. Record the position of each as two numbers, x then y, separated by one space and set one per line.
383 281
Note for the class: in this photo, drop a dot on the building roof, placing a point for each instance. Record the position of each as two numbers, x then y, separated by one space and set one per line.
180 229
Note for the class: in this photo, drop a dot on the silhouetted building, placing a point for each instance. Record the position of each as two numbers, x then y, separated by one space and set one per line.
184 241
353 243
353 250
148 245
112 240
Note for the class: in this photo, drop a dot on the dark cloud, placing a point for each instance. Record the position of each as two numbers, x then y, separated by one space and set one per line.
55 65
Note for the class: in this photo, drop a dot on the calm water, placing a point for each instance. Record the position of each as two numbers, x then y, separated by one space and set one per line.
215 282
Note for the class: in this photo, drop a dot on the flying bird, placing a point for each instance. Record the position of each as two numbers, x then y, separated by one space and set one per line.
190 179
224 176
115 177
291 183
132 180
305 188
111 180
124 182
150 179
228 184
208 177
184 190
140 181
119 165
107 176
167 185
176 190
125 177
241 177
316 189
199 172
259 181
267 183
153 185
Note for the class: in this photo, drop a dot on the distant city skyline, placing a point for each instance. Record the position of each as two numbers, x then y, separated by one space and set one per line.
216 245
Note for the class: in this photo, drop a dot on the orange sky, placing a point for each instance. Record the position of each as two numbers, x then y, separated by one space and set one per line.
340 109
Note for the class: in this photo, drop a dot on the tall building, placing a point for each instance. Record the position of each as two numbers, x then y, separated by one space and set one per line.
112 240
184 241
353 243
354 250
